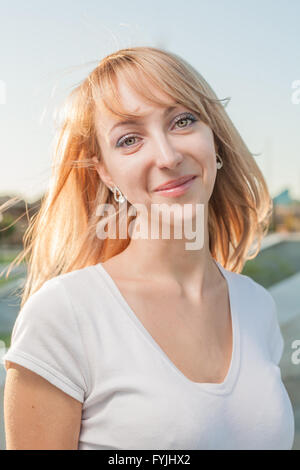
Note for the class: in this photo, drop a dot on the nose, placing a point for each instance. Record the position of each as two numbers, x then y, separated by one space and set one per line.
166 156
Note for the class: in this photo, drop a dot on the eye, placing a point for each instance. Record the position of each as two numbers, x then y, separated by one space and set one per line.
125 139
181 117
185 117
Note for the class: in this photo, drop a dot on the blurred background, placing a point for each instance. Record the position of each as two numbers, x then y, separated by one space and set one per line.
248 51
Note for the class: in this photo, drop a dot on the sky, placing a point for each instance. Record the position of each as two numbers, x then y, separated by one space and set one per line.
246 50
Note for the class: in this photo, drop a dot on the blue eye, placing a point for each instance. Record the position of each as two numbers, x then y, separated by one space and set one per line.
181 117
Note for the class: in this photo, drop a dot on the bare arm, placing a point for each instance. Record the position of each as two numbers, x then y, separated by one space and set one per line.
37 414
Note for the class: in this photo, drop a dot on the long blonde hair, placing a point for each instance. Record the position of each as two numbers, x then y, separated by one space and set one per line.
61 236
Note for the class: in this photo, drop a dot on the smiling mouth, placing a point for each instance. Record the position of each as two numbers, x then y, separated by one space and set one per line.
178 190
173 185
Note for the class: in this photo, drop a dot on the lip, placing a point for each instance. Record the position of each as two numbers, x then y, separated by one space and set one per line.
174 183
179 190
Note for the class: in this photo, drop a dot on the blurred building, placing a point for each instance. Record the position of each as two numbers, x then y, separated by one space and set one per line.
286 214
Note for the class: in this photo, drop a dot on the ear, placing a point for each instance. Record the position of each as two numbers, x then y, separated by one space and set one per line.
102 172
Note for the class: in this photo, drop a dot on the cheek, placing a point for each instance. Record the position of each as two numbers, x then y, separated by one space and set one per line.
205 155
134 182
203 143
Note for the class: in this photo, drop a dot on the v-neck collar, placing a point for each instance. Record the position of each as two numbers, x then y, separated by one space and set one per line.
216 388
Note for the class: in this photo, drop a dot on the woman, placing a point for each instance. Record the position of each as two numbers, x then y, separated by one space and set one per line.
139 342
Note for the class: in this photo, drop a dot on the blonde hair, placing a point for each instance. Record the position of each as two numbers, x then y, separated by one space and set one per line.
61 237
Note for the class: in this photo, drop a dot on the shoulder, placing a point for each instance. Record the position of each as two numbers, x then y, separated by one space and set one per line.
46 338
72 286
54 300
48 307
249 286
258 311
75 278
77 296
252 296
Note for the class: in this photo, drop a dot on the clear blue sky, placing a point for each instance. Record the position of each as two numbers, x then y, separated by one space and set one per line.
248 50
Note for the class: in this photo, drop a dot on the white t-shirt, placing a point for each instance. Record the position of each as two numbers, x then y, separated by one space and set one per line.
79 333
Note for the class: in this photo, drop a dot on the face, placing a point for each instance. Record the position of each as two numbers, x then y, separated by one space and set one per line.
164 145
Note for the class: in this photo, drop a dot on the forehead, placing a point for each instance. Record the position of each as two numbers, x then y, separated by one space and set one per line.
132 102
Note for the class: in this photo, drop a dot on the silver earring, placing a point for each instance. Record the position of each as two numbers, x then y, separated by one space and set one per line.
118 196
219 164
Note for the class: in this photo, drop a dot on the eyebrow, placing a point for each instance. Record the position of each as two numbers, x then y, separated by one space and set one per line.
138 121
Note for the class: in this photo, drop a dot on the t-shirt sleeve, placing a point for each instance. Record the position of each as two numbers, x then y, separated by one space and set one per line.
276 341
46 339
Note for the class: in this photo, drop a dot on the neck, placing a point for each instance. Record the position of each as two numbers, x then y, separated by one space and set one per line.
168 260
